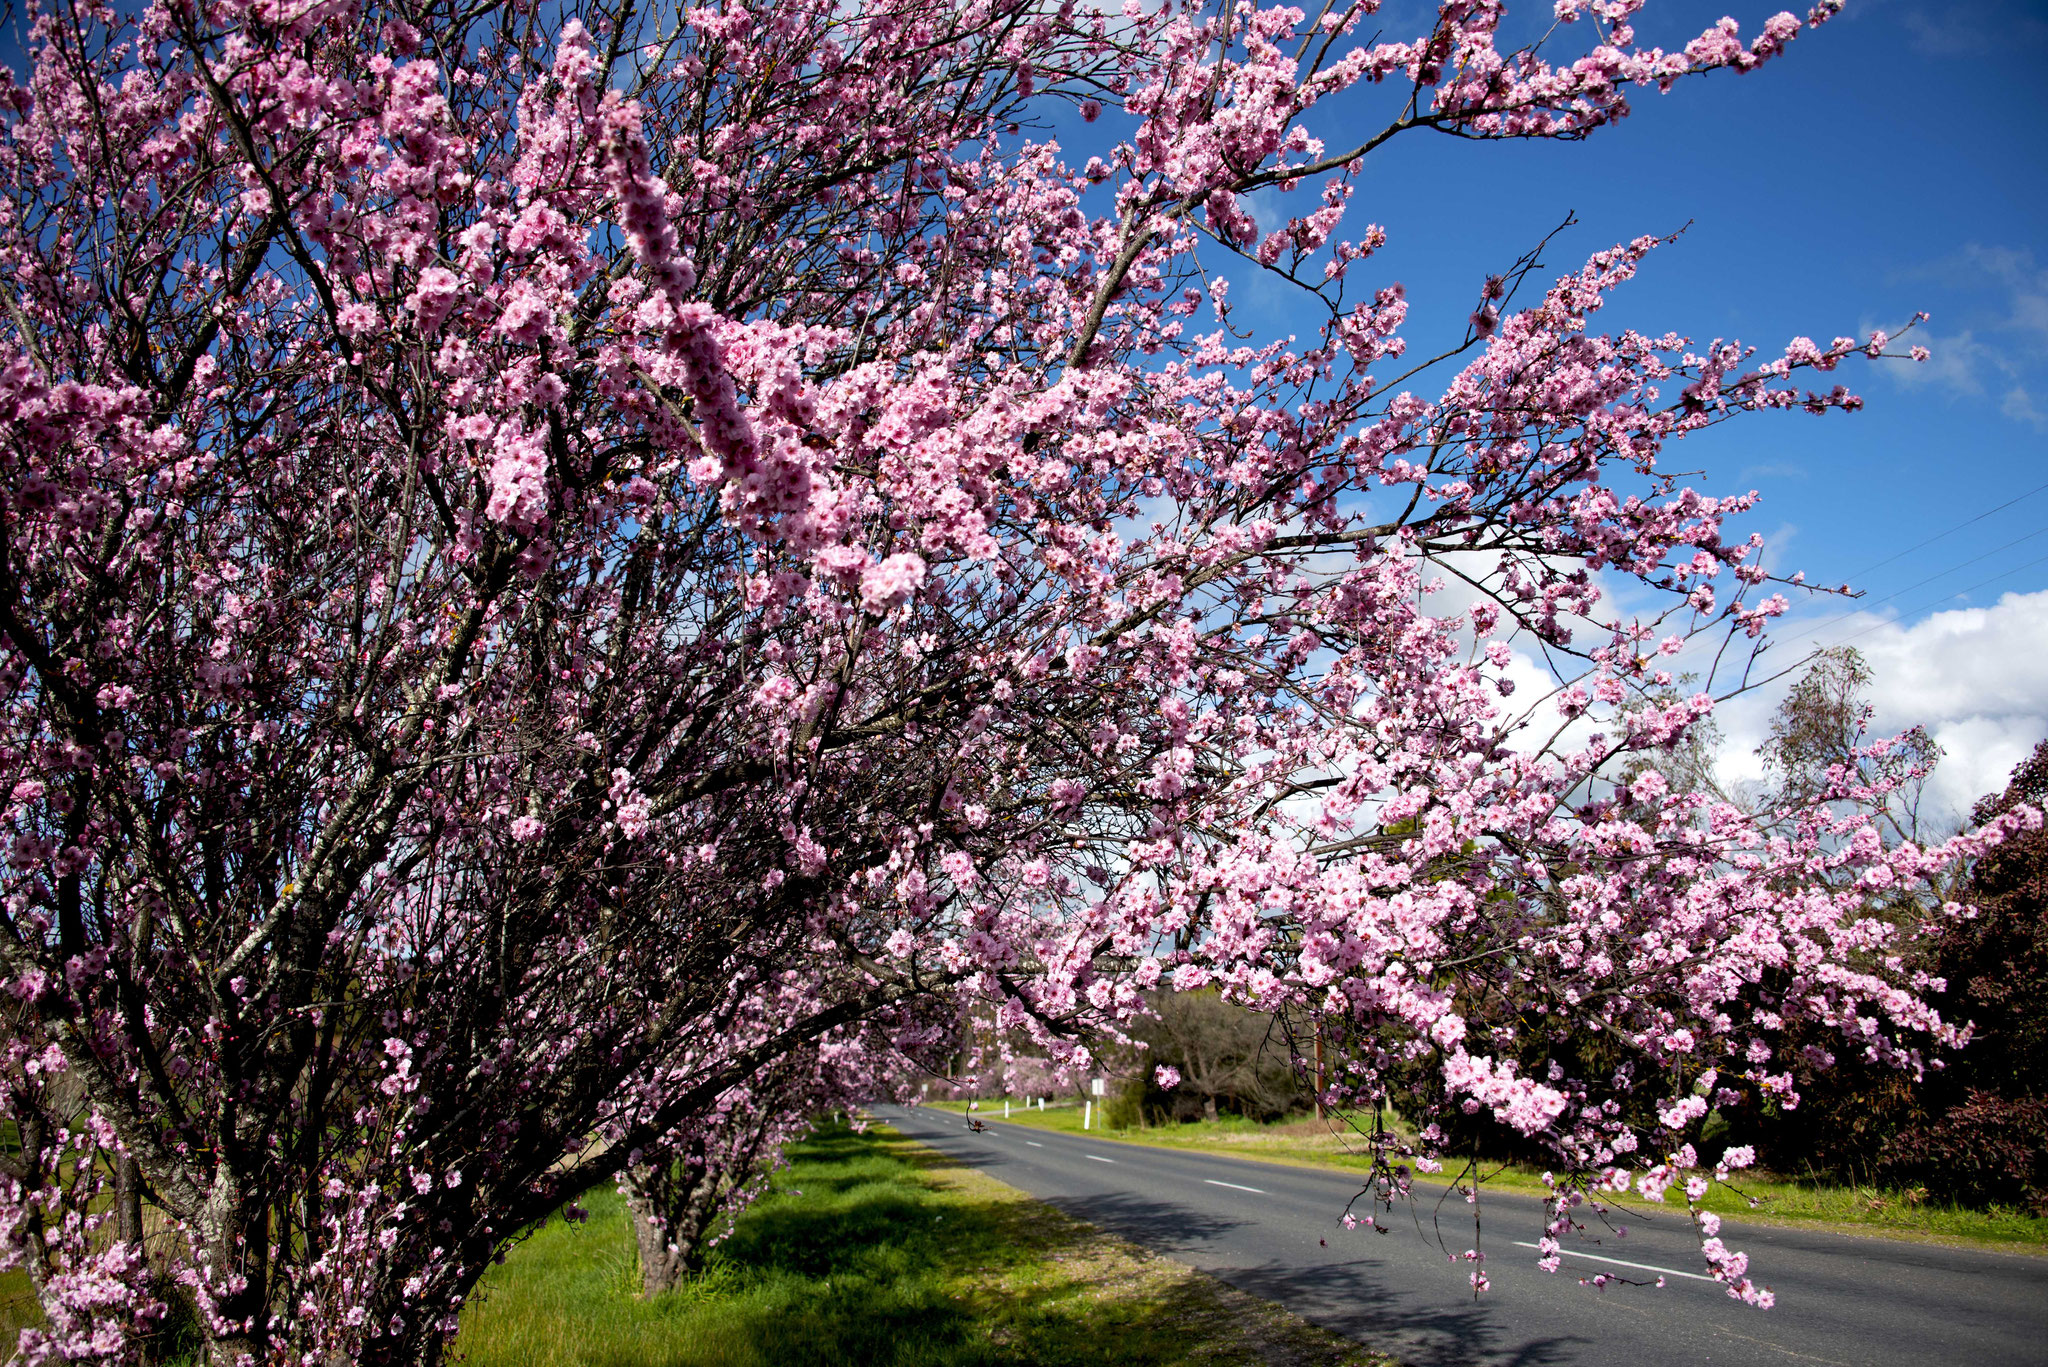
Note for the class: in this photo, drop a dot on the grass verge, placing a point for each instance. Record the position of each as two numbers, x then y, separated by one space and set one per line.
871 1249
1320 1144
18 1309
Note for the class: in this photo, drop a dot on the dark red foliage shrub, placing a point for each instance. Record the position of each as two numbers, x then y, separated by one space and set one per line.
1987 1151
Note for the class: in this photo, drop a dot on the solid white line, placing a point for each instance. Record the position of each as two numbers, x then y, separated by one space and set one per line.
1098 1158
1233 1186
1621 1262
1034 1143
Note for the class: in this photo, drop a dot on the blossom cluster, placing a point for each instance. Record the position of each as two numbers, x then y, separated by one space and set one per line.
581 582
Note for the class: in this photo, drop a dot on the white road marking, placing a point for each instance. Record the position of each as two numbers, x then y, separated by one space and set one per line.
1034 1143
1620 1262
1098 1158
1233 1186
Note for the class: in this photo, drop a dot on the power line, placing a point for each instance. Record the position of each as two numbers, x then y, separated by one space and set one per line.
1939 574
2002 574
1950 532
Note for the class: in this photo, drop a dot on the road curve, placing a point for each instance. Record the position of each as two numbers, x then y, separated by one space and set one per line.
1844 1300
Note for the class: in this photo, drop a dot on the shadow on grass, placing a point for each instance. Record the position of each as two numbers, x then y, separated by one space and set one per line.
875 1252
892 1271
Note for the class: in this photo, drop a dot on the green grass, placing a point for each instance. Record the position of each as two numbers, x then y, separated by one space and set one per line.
873 1250
1311 1143
18 1308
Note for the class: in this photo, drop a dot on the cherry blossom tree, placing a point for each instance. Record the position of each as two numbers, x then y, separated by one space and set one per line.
684 1191
532 530
72 1215
706 1174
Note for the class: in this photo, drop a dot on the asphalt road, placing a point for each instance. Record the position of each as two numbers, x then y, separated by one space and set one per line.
1274 1230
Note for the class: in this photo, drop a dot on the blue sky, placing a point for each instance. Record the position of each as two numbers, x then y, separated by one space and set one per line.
1893 161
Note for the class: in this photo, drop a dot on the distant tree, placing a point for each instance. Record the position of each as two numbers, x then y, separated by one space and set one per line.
1822 731
1983 1134
1970 1129
1228 1058
1996 964
1845 1103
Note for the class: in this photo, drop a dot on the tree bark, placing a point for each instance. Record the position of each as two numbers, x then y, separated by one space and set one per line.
128 1199
671 1212
661 1267
234 1239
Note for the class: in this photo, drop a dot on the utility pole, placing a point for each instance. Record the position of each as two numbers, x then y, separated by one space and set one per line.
1320 1082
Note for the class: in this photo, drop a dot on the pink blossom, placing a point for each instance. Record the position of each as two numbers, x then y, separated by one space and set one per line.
884 585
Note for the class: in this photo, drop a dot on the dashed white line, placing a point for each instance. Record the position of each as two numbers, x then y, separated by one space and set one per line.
1233 1186
1034 1143
1620 1262
1098 1158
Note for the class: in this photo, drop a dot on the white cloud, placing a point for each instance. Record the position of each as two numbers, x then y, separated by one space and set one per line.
2024 280
1957 363
2020 407
1952 34
2005 349
1950 28
1976 678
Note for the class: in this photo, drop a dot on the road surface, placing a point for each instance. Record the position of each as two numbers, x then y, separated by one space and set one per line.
1274 1230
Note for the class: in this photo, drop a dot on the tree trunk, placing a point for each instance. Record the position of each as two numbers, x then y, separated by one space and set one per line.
128 1200
29 1130
671 1212
411 1348
1320 1082
234 1238
661 1266
236 1351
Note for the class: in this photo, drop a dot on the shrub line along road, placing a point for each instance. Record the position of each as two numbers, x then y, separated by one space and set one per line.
1842 1299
